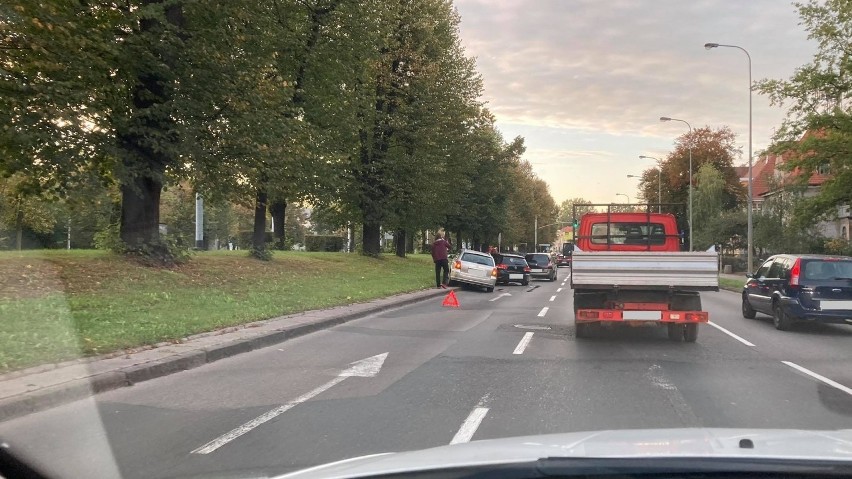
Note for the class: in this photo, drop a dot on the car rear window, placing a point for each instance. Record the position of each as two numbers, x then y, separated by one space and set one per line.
514 261
628 233
827 269
538 258
478 259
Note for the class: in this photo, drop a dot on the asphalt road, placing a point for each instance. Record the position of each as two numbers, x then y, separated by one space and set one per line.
427 375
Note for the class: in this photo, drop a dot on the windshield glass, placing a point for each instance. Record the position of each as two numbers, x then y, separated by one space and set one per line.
241 238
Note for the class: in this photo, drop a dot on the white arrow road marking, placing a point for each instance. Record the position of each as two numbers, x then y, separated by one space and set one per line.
543 311
471 424
500 296
365 368
519 349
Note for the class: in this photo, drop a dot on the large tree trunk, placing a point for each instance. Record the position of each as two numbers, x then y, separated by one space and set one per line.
401 240
258 237
277 209
146 138
409 243
371 238
140 212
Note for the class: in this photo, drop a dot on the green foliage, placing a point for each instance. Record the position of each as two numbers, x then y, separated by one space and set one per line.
263 254
708 204
109 239
716 147
566 210
818 128
324 243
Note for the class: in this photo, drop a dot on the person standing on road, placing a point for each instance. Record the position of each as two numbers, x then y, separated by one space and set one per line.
440 250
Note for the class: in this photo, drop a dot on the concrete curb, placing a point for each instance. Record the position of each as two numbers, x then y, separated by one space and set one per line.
189 357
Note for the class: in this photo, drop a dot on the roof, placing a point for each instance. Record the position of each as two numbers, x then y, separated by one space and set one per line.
769 165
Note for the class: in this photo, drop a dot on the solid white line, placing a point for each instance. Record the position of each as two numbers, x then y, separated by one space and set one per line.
747 343
543 311
519 349
268 416
558 290
552 298
818 377
469 426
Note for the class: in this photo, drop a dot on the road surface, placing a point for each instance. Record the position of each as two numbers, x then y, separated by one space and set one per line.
504 364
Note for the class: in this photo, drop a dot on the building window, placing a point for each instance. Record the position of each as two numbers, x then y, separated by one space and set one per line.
843 233
824 169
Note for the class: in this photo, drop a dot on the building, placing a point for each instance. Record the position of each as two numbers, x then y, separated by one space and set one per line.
768 177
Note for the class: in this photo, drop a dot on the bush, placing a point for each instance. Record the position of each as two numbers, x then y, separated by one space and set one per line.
244 239
324 243
838 246
109 239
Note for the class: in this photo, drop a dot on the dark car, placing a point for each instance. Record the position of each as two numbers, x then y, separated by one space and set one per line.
541 266
512 268
794 288
562 260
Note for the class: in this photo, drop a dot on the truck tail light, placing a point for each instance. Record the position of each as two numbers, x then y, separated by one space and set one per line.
795 272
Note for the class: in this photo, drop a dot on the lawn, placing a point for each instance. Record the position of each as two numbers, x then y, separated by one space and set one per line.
59 305
735 285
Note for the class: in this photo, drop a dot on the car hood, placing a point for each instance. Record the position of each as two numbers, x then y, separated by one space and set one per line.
635 443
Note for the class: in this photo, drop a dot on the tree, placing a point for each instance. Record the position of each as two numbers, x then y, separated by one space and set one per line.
820 112
716 147
21 210
567 207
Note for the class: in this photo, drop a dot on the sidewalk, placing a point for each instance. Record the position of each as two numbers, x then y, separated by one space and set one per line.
42 387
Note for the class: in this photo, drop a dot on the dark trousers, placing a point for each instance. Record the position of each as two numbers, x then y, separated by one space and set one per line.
440 265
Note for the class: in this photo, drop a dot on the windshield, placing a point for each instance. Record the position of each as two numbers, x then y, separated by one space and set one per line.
241 238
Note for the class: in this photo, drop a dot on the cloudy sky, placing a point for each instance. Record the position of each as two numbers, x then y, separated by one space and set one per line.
586 81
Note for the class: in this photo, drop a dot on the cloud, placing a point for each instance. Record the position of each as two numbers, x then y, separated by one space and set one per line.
614 67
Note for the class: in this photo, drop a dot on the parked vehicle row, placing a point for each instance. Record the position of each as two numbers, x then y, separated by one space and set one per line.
486 270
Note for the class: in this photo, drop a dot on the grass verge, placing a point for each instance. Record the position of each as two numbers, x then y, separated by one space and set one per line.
60 305
735 285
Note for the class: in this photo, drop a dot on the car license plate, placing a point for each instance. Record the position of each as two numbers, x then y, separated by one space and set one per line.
516 276
642 315
835 305
537 270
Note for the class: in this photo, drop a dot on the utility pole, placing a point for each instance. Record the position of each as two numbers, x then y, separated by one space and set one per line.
199 221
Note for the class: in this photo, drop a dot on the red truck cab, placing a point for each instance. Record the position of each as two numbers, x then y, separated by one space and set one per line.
628 232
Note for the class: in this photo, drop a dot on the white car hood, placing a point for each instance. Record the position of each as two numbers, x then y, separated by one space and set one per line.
634 443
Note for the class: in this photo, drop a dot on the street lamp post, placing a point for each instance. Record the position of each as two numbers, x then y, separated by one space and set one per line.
665 118
659 181
750 230
622 194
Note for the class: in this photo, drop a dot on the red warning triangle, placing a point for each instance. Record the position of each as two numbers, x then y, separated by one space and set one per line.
451 300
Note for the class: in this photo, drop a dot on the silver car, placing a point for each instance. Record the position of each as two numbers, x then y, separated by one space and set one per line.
474 268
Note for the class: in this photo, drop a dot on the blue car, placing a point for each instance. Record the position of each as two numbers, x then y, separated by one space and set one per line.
790 288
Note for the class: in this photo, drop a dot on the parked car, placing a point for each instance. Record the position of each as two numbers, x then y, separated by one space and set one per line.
541 266
473 268
512 268
794 288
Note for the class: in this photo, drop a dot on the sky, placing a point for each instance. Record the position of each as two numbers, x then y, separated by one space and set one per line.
586 81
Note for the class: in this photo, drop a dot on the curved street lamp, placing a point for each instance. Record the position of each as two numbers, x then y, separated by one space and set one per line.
666 118
659 181
622 194
750 238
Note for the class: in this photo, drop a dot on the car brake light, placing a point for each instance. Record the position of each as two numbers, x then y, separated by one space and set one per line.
526 269
502 266
795 272
494 272
457 264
